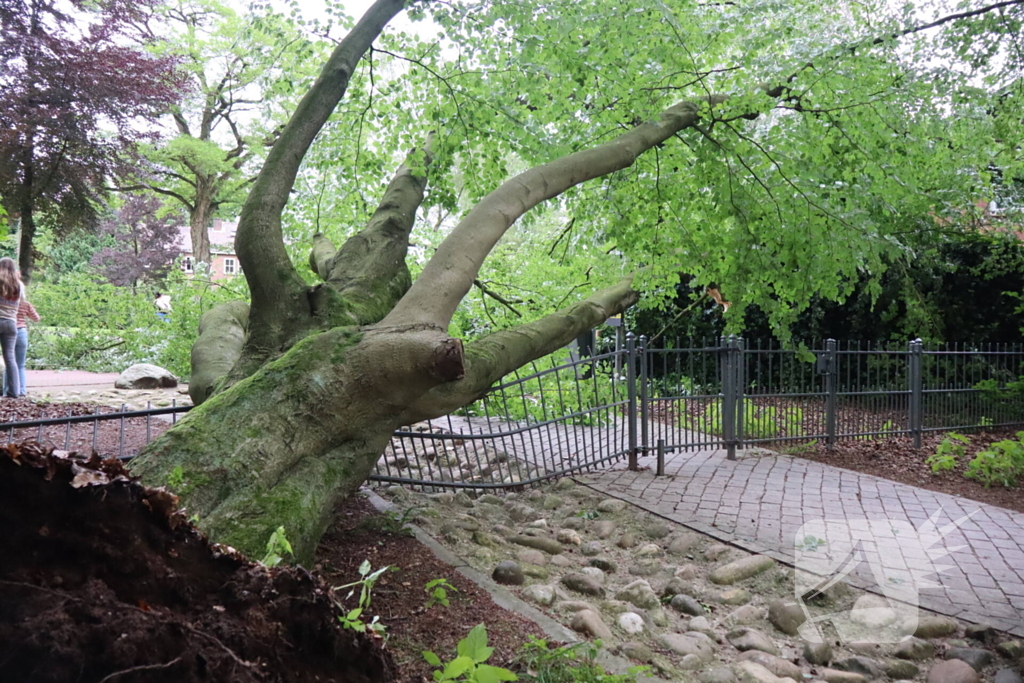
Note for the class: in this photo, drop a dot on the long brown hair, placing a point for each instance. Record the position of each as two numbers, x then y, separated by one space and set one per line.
10 283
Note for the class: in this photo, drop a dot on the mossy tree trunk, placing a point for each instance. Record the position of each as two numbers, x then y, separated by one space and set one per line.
301 392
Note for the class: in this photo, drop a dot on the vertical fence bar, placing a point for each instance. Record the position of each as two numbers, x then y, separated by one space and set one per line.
660 467
916 390
631 398
644 397
831 391
729 359
740 387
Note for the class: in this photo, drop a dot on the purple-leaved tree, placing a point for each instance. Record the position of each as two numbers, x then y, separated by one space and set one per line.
75 86
144 246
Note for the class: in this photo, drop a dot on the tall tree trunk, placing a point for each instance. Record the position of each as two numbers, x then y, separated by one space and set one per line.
26 207
199 218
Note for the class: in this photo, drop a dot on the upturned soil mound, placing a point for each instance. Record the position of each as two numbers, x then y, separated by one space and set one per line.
103 581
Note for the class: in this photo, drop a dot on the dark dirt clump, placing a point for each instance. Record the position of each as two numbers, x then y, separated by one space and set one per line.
101 580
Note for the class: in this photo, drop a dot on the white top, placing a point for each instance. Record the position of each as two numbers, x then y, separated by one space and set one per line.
163 303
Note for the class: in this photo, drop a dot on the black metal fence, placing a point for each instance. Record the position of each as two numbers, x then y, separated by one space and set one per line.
561 415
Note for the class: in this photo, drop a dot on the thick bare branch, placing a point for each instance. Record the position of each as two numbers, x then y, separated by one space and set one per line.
449 275
321 254
491 358
221 335
280 307
369 270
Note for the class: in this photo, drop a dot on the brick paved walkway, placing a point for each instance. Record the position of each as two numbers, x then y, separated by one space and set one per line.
760 500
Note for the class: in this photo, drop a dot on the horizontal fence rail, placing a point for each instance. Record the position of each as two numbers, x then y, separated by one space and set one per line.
566 413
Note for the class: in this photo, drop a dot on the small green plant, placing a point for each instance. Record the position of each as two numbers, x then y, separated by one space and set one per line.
569 664
809 544
470 665
390 522
176 479
437 592
352 619
945 456
277 547
986 421
1001 463
588 514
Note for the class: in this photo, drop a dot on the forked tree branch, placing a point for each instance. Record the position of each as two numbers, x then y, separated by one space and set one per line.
494 356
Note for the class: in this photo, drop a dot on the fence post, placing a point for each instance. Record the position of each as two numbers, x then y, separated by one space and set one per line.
916 381
644 396
660 467
831 389
739 389
729 386
631 398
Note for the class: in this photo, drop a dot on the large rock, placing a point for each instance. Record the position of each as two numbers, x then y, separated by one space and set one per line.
982 632
1007 676
145 376
786 616
837 676
548 545
631 622
914 648
777 665
569 537
636 651
581 583
900 669
687 572
590 623
605 564
751 672
1011 649
611 505
744 639
591 549
639 593
936 627
692 643
657 530
540 594
741 569
720 674
818 653
686 605
872 611
595 573
532 556
683 543
865 666
604 528
978 659
748 614
953 671
736 596
509 573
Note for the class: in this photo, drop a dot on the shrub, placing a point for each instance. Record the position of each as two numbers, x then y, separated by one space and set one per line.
1002 463
945 456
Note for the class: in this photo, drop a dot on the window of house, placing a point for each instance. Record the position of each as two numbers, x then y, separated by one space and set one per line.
186 264
229 266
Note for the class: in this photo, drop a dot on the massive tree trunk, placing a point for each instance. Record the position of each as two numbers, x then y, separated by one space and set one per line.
199 216
303 390
26 209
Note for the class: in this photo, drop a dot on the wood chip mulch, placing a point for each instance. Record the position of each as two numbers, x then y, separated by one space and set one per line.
399 597
897 460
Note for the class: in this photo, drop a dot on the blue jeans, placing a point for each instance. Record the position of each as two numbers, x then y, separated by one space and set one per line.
20 351
8 341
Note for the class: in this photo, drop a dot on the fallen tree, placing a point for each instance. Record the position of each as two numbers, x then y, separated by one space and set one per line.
301 392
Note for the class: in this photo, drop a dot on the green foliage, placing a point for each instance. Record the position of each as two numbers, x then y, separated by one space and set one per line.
437 592
554 394
277 547
389 522
90 325
352 619
945 456
574 663
1001 463
469 664
176 479
759 421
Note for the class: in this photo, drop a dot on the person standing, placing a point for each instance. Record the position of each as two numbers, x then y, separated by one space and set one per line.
163 306
11 294
26 312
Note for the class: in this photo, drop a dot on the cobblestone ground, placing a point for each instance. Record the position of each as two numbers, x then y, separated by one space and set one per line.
761 500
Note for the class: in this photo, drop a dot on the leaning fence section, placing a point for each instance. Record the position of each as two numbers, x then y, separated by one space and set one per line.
561 415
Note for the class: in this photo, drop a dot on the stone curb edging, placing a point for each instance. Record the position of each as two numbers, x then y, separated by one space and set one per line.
506 599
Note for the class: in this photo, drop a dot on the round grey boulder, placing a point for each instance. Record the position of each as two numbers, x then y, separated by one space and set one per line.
509 573
145 376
